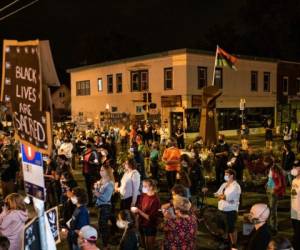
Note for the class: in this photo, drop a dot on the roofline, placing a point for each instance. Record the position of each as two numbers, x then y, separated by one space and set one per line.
164 54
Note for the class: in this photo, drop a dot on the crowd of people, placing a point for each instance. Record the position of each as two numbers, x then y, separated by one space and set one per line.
126 171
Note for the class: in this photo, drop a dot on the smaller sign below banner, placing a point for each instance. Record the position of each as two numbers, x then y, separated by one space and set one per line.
53 219
32 165
31 238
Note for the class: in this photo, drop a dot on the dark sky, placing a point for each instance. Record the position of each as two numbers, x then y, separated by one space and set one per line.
90 31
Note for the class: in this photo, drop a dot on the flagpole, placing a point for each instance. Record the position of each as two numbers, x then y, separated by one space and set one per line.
214 72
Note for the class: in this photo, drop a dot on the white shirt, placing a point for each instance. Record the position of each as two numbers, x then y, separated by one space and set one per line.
232 197
66 148
295 199
130 185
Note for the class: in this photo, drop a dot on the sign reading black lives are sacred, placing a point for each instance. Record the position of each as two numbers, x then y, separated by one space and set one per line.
22 88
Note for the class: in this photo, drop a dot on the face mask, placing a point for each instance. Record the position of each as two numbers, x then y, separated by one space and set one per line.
294 172
74 200
184 164
226 177
145 190
253 220
235 153
221 141
121 224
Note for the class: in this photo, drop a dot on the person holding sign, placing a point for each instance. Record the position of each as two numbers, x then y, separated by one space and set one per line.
12 220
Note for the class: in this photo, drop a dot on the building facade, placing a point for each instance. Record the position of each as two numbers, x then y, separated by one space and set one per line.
175 80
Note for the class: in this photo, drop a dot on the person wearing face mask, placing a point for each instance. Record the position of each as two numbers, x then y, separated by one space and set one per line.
295 205
275 190
87 238
260 235
103 191
147 213
269 134
221 152
287 134
80 216
126 222
236 162
130 184
229 199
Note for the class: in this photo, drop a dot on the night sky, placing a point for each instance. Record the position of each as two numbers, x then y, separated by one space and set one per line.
86 32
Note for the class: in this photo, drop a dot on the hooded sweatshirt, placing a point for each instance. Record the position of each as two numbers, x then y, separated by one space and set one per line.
11 225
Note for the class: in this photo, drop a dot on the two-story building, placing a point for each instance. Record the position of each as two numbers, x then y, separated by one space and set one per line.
175 80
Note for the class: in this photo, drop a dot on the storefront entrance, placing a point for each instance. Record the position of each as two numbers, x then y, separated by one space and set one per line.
176 120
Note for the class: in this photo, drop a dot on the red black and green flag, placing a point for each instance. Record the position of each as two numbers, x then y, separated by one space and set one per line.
225 59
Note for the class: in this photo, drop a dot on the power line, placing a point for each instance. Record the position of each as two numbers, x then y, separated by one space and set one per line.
16 11
10 4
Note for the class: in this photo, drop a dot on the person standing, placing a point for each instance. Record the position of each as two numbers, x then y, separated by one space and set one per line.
295 206
269 134
221 152
288 158
124 138
171 157
154 158
130 184
298 137
287 134
90 170
236 162
180 137
147 213
229 199
275 189
261 235
103 190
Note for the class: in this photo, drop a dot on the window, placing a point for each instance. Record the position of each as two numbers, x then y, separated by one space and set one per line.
219 78
168 78
139 109
80 114
83 88
202 77
254 80
267 76
119 83
139 80
100 85
285 84
114 109
298 85
110 84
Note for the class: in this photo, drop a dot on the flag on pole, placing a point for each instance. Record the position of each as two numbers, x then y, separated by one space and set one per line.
225 59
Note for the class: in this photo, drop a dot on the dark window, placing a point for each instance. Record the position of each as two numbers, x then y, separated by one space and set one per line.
61 94
202 77
110 84
285 84
219 78
267 77
139 80
83 88
119 83
298 84
168 78
100 85
254 80
114 109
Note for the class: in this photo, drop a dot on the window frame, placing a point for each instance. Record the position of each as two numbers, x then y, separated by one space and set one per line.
199 69
254 73
221 78
100 89
110 85
83 88
140 84
166 70
119 85
285 83
269 82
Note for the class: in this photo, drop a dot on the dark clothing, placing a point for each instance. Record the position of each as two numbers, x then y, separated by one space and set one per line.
68 210
231 218
269 133
221 161
180 138
238 166
196 177
126 203
104 216
296 227
80 218
10 169
259 239
171 178
288 160
129 241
